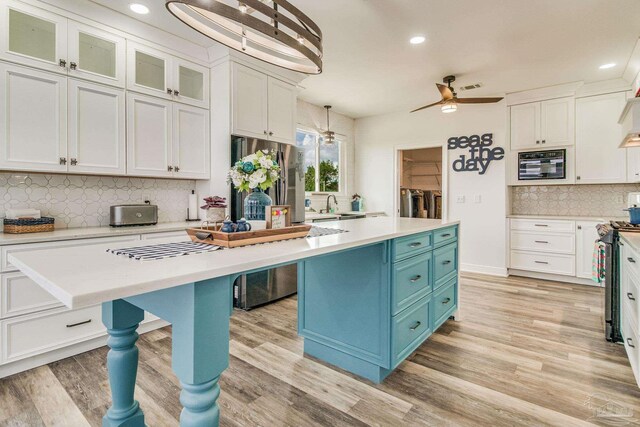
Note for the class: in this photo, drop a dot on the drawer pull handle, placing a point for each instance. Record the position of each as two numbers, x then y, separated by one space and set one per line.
416 326
541 241
631 260
73 325
541 225
445 235
446 262
446 301
541 262
416 278
415 244
629 343
630 296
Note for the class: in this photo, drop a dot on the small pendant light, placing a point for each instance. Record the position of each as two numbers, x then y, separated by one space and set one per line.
328 135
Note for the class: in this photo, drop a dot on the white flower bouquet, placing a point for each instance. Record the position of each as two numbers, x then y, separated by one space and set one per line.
258 170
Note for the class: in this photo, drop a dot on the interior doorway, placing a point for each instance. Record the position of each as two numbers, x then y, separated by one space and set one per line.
421 182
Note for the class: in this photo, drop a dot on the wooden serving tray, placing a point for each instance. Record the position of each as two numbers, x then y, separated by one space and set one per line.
211 235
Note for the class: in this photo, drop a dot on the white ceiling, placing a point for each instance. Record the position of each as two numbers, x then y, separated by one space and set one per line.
508 45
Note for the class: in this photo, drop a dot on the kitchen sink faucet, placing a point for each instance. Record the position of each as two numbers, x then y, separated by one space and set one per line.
329 202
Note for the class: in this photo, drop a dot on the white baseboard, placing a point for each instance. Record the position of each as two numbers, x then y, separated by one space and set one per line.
483 269
62 353
553 277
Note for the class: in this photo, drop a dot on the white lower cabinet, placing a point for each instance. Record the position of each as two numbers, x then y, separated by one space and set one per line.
630 306
562 248
586 236
35 328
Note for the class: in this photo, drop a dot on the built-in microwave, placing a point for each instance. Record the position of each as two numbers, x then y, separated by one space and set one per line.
537 165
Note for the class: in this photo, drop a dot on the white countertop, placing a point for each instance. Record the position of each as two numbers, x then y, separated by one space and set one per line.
571 218
632 239
87 275
92 232
310 216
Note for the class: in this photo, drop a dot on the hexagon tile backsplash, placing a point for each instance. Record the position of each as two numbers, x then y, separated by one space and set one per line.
606 200
84 201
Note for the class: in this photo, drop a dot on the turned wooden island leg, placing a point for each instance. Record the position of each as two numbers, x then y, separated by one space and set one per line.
121 320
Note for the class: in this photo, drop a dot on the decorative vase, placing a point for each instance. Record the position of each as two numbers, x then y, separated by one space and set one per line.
216 214
255 204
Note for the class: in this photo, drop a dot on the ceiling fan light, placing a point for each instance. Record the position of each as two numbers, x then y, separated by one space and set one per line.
450 107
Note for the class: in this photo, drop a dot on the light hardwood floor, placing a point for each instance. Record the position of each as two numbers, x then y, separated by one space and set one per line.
528 352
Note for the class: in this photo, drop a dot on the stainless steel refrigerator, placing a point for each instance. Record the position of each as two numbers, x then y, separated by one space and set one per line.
255 289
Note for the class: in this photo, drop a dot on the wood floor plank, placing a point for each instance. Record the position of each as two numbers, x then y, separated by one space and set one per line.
529 352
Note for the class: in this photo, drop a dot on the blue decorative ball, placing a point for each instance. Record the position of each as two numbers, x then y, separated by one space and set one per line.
248 167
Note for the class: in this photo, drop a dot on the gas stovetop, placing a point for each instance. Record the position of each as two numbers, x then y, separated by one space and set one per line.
625 226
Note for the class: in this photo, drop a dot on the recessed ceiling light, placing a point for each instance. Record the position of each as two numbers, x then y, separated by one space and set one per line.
609 65
417 39
139 8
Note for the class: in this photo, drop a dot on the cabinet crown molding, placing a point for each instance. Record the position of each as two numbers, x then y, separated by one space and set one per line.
543 94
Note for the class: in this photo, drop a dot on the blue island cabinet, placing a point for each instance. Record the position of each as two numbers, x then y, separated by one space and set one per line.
367 309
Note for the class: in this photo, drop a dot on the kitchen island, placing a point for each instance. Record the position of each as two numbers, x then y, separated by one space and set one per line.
368 298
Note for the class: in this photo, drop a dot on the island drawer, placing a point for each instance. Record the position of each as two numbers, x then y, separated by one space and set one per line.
444 236
405 247
411 281
21 295
444 300
445 264
33 334
410 328
5 251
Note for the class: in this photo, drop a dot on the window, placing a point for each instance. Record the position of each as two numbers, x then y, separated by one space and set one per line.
323 171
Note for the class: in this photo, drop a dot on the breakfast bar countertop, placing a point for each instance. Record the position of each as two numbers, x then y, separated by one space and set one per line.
104 276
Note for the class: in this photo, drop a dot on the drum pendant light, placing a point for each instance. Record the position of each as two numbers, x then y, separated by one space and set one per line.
273 31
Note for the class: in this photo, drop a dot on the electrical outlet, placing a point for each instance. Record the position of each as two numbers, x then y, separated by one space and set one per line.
620 199
477 198
460 199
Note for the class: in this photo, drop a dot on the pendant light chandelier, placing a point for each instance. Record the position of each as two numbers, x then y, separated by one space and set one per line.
273 31
329 137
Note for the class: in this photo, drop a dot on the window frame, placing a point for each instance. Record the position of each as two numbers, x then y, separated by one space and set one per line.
342 172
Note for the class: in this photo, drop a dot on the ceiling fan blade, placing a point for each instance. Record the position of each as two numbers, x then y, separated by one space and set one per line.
478 100
444 91
427 106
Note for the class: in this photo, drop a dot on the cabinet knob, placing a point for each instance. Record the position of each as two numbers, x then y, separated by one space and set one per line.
578 178
169 91
74 162
544 141
177 168
73 65
265 132
170 168
176 93
630 296
63 160
62 63
537 142
579 227
270 133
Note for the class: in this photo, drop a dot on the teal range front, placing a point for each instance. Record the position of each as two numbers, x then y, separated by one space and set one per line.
364 309
367 309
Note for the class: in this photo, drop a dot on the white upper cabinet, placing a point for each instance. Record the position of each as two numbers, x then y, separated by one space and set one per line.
149 136
633 164
96 128
542 125
262 106
249 102
33 36
154 72
96 55
598 135
191 142
586 236
33 118
525 126
282 111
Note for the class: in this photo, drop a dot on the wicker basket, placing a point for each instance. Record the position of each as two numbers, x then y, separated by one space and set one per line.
28 225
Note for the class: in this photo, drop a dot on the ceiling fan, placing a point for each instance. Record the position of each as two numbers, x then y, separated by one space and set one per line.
449 102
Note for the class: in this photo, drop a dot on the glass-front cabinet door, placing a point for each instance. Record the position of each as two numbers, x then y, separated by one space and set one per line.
33 37
96 55
149 71
191 84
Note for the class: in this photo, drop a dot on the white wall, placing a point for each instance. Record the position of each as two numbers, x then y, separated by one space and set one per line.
483 229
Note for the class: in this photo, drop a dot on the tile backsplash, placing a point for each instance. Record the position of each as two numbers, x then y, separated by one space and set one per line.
84 201
606 200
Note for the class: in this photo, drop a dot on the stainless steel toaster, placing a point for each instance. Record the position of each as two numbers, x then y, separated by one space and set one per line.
123 215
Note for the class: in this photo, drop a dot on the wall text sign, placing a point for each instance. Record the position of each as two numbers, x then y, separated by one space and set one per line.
480 155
